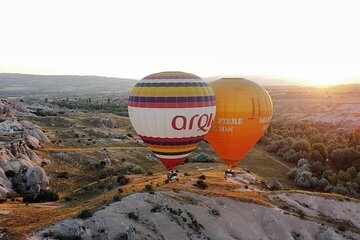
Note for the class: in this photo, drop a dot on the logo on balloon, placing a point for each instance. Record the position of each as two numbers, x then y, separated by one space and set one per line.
201 122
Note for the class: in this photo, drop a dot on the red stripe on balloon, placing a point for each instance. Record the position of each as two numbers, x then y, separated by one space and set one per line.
170 164
172 139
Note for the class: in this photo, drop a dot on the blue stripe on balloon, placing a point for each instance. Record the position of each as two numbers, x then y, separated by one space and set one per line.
171 99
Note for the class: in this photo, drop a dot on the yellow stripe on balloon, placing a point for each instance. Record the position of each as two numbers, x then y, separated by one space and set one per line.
170 91
172 150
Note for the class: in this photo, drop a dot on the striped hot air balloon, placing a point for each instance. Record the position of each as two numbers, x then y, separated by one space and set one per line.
172 112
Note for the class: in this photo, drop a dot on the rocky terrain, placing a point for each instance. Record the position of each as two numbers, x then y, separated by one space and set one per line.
19 163
82 154
339 104
186 215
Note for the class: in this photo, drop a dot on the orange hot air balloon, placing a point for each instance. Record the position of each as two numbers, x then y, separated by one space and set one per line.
243 113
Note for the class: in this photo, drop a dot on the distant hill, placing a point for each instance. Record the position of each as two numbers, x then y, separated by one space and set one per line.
13 84
262 80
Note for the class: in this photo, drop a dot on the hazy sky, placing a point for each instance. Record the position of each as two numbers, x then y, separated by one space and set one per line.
316 41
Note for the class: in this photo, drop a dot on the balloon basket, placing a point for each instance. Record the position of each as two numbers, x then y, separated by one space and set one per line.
172 175
230 172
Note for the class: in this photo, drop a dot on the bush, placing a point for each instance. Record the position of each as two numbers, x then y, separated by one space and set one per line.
343 176
323 183
200 184
302 162
122 180
85 214
10 173
42 196
315 156
317 168
201 158
292 173
121 236
137 170
2 200
11 195
117 198
149 188
352 172
305 179
133 216
294 156
301 145
202 177
321 148
63 175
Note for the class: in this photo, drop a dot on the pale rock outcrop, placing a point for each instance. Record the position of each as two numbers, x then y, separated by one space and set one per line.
32 142
106 122
274 184
10 126
18 156
184 215
36 179
34 130
4 181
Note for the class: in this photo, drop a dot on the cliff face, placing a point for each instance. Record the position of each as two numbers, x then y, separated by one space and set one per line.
19 164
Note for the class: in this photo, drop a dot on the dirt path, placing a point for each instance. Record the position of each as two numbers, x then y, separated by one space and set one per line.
267 155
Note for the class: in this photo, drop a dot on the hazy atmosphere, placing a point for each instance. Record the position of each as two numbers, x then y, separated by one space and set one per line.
302 42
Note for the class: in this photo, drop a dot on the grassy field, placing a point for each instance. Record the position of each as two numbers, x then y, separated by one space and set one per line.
263 164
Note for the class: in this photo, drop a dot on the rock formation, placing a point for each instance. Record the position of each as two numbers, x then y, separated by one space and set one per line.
18 162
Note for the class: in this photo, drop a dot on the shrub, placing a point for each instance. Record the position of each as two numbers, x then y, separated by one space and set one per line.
214 212
137 170
305 179
85 214
315 156
292 173
343 176
42 196
317 168
2 200
117 198
11 195
149 188
323 183
200 184
122 180
301 145
342 228
201 158
133 216
202 177
10 173
321 148
294 156
352 172
121 236
302 162
63 175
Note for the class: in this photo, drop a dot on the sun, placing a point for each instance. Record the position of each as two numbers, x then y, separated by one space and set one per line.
325 82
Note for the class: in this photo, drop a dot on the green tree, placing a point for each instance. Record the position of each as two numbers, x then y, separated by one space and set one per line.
301 145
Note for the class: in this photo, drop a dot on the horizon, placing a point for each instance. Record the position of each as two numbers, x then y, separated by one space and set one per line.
261 80
318 50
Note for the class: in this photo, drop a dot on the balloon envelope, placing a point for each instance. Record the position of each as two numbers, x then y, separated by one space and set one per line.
243 113
172 112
